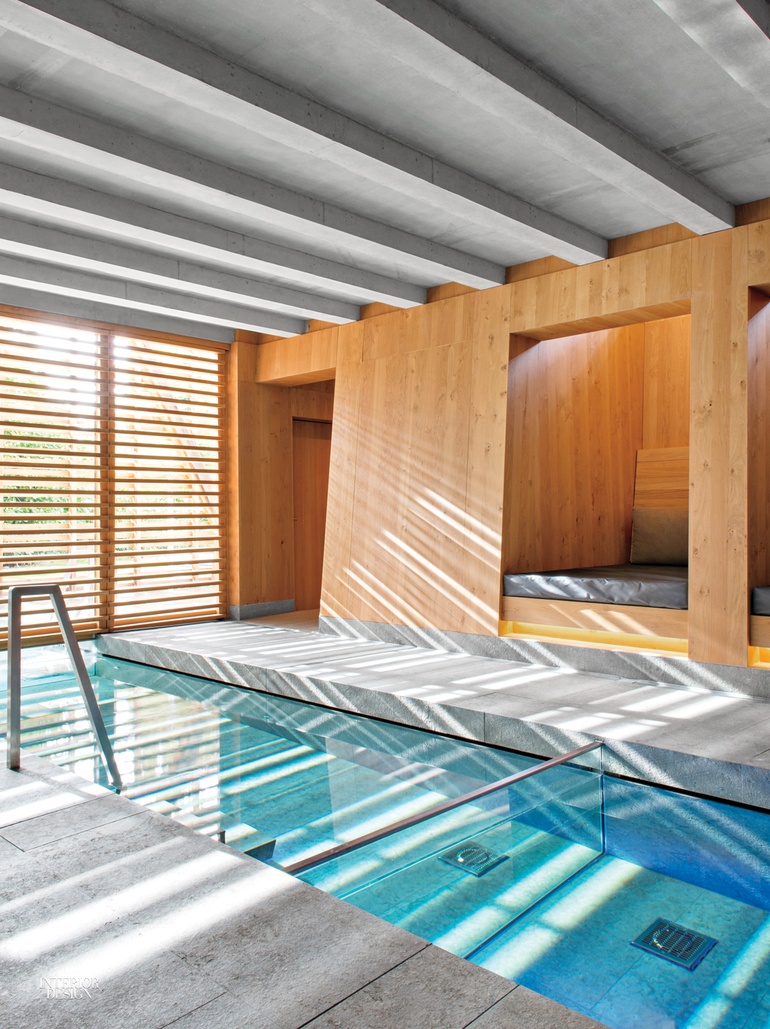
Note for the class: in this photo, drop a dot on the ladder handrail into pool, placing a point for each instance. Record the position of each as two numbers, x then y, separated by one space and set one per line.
15 596
438 809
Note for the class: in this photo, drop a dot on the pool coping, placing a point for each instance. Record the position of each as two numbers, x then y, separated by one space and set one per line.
719 752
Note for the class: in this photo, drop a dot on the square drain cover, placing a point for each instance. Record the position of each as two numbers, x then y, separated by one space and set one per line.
471 857
673 942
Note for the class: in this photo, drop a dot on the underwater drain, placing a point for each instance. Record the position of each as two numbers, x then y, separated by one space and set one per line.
674 943
470 857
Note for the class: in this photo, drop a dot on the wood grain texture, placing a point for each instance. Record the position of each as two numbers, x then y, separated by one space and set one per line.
719 613
413 529
574 427
667 383
375 309
572 614
313 404
710 273
657 237
756 211
447 290
662 478
298 360
759 255
627 290
311 444
531 269
760 630
337 599
487 427
759 439
260 478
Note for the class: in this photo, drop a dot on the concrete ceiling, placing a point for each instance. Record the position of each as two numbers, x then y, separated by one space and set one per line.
253 164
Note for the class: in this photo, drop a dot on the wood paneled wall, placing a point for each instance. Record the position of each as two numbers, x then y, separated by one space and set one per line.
260 481
662 478
311 455
415 505
418 474
579 409
575 412
666 383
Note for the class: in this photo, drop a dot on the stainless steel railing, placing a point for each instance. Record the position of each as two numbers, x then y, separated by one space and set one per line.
439 809
15 597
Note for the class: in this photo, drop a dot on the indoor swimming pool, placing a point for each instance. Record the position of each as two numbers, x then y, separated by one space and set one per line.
635 905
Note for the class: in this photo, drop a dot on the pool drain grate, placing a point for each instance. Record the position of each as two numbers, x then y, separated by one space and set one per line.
471 857
673 942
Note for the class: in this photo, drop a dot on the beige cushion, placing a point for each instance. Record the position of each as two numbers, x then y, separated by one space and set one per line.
659 536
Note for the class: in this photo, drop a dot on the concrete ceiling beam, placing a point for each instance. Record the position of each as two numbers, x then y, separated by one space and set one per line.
45 129
455 52
70 205
733 34
57 305
50 278
40 243
124 45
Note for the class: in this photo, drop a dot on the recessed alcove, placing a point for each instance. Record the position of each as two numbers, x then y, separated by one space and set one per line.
583 410
759 465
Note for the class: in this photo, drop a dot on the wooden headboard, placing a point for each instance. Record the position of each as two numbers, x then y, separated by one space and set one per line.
662 478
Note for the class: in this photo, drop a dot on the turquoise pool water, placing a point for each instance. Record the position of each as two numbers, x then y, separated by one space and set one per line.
581 864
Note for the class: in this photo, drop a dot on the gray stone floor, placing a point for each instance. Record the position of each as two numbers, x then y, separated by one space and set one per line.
705 741
113 917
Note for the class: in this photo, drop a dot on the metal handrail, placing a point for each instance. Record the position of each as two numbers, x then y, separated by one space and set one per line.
15 595
439 809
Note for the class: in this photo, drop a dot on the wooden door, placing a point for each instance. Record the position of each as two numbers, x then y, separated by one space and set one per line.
312 449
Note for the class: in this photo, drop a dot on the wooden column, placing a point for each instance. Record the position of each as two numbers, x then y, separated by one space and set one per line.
719 601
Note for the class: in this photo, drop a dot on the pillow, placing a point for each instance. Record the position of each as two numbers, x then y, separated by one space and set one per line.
659 536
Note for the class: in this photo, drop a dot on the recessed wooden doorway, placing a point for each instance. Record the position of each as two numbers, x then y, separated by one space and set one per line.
312 450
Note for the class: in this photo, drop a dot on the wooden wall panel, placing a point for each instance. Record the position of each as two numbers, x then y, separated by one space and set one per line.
336 598
311 450
260 479
484 487
301 359
312 402
667 383
759 439
648 238
719 617
759 210
260 538
574 426
413 531
662 478
585 617
759 255
638 287
387 396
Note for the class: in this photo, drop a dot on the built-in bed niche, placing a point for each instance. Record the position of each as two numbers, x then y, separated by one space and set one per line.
598 426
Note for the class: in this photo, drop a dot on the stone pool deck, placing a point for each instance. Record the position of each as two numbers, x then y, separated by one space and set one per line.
710 741
113 917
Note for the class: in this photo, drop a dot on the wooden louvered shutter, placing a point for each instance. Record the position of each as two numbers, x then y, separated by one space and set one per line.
112 476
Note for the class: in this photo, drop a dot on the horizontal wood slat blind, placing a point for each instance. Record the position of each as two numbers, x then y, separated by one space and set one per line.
111 450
